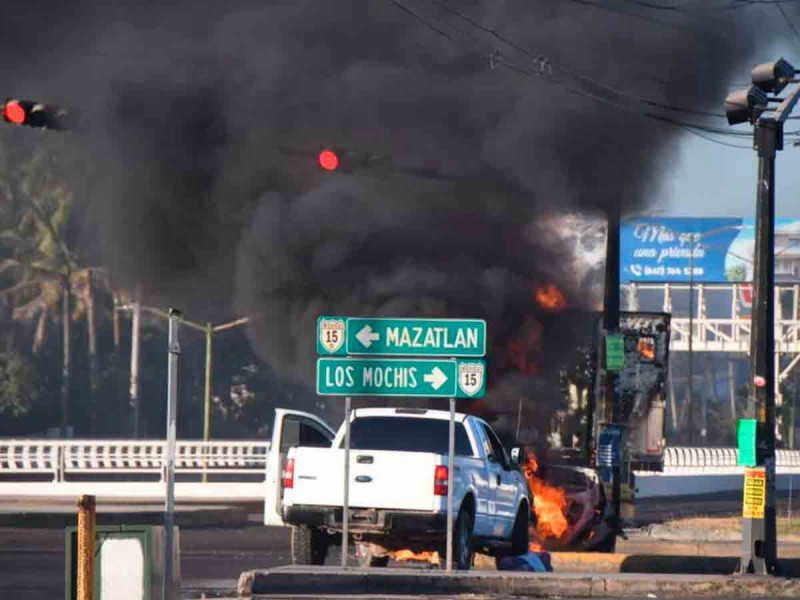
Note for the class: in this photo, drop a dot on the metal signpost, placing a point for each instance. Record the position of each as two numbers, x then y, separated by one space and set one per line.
346 503
172 405
429 378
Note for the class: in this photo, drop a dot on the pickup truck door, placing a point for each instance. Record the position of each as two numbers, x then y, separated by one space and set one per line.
291 428
501 483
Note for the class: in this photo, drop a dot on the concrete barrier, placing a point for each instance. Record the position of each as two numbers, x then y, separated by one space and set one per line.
316 581
600 563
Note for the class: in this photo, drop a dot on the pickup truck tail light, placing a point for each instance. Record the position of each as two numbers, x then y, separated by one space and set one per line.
440 481
288 474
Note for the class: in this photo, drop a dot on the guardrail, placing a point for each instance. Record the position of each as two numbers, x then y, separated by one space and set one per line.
67 468
63 458
688 460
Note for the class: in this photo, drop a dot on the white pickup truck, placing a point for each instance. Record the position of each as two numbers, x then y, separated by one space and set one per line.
398 487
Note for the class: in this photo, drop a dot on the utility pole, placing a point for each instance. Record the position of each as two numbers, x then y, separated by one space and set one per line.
174 350
612 407
759 543
207 395
759 534
691 341
136 326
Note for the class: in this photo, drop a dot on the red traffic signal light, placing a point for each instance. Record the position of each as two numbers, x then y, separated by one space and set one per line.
14 112
328 160
36 114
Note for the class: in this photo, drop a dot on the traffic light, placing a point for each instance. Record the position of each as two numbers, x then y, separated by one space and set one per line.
35 114
347 160
328 160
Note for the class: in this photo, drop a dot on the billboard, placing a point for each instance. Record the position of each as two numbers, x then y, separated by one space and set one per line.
669 249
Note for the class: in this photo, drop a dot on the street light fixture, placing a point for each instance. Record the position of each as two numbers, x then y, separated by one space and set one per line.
759 533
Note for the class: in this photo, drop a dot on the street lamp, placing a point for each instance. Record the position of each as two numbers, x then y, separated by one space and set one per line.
759 534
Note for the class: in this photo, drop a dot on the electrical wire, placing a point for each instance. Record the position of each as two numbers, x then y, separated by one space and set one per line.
699 8
698 129
788 20
544 62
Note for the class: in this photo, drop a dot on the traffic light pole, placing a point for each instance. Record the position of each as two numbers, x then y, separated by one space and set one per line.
759 536
759 533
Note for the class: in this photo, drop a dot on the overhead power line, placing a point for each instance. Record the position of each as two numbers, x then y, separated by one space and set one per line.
703 6
788 20
544 62
704 131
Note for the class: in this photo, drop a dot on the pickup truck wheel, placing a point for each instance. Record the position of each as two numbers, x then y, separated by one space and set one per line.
463 551
519 535
309 546
367 559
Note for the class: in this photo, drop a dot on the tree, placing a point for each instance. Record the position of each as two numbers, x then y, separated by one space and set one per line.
736 273
38 255
19 392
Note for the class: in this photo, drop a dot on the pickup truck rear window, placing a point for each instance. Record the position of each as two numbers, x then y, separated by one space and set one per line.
406 434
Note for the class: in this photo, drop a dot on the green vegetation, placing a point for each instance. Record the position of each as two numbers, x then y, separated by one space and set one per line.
65 339
736 273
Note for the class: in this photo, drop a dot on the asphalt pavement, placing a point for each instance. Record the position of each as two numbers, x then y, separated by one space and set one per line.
32 560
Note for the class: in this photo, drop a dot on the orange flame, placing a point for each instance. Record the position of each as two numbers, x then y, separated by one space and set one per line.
549 503
647 348
550 298
405 555
524 349
535 547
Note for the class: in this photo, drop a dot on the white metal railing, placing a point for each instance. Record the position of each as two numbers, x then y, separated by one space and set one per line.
729 329
62 458
716 460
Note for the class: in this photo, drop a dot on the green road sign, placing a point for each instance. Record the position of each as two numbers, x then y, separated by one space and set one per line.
746 437
615 353
340 336
401 377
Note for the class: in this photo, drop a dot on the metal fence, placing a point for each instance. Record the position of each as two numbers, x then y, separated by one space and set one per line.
719 460
63 458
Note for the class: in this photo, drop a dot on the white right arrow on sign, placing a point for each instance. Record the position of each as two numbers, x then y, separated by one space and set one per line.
436 378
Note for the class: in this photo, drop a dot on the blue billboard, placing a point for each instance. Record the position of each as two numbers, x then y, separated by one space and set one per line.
669 249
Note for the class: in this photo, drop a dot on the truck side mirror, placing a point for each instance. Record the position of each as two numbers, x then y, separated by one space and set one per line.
517 456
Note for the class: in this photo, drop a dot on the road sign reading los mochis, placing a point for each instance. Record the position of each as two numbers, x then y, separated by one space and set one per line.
428 378
340 336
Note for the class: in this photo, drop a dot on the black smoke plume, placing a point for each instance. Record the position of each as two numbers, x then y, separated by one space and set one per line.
192 105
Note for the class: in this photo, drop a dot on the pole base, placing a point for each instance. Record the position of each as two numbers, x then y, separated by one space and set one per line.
757 566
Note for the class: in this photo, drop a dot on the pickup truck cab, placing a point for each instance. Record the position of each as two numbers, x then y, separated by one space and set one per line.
398 488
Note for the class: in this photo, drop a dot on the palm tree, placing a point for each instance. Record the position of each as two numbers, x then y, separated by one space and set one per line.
39 259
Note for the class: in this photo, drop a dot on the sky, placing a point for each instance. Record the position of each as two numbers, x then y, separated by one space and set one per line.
712 180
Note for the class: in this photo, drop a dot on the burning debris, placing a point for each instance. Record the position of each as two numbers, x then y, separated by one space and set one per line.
549 506
409 555
550 298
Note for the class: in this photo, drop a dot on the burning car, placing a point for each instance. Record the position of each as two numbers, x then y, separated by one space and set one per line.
568 507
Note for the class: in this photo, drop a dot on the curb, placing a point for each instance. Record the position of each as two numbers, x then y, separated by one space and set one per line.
293 581
600 564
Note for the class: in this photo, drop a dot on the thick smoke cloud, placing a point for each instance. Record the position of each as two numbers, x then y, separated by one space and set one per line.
191 103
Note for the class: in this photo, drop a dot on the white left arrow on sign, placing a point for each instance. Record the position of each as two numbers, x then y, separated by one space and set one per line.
366 336
436 378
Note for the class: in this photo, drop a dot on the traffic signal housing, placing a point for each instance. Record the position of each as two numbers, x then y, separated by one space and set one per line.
347 160
35 114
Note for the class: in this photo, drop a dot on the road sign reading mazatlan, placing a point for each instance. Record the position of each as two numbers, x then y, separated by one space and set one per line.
340 336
